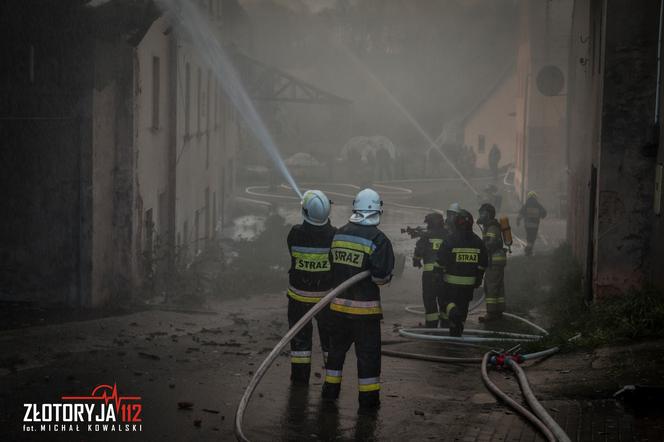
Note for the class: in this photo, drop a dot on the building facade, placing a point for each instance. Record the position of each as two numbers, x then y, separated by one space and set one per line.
614 149
541 110
492 122
117 145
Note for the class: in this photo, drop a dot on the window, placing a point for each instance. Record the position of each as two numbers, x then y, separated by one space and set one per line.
187 100
207 213
481 144
149 245
32 63
208 97
206 101
197 218
215 86
199 95
149 232
163 216
214 214
155 91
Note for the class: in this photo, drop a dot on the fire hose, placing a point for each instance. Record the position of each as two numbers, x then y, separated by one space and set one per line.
537 408
265 365
493 388
543 421
540 418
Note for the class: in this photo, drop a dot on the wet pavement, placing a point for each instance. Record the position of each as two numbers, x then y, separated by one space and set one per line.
191 369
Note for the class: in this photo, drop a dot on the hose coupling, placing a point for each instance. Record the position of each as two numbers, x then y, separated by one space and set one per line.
500 360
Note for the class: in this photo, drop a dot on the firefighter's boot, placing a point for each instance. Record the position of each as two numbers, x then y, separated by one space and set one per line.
369 400
332 385
331 392
300 373
529 249
444 320
456 320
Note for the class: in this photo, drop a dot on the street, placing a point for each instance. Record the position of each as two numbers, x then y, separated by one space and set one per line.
190 370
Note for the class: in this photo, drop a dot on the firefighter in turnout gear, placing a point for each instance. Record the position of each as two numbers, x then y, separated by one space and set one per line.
531 212
310 278
452 213
356 313
494 277
463 259
432 279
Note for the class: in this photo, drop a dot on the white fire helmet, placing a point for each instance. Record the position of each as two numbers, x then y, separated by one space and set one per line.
367 208
316 207
454 207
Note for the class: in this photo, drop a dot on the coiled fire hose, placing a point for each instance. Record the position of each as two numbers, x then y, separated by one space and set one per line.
265 365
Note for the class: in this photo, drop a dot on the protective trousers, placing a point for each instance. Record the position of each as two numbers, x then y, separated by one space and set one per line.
365 334
432 297
301 343
458 298
531 236
494 290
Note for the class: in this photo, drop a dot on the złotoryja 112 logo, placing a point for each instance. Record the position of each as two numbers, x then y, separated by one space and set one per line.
104 410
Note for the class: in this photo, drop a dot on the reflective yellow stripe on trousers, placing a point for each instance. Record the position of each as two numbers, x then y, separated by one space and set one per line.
333 376
430 266
495 300
356 307
368 384
305 296
459 280
300 357
431 316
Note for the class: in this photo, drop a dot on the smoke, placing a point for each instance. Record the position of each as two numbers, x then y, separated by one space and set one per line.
298 6
95 3
437 58
204 38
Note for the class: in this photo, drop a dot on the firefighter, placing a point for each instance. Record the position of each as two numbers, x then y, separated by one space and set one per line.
310 278
356 313
494 277
463 259
451 214
432 279
490 195
531 212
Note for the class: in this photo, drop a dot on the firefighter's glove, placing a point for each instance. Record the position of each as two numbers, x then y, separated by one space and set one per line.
478 280
417 262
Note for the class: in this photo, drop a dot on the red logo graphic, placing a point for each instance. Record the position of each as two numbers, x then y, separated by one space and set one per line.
129 412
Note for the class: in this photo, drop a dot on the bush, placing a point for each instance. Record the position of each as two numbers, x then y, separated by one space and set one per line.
635 315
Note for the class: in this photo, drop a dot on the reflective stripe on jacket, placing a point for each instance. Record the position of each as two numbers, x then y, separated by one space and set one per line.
310 274
463 259
356 248
427 247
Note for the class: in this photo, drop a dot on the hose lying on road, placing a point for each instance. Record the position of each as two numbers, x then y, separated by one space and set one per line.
512 403
419 309
542 420
539 410
490 336
265 365
525 321
432 358
549 351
